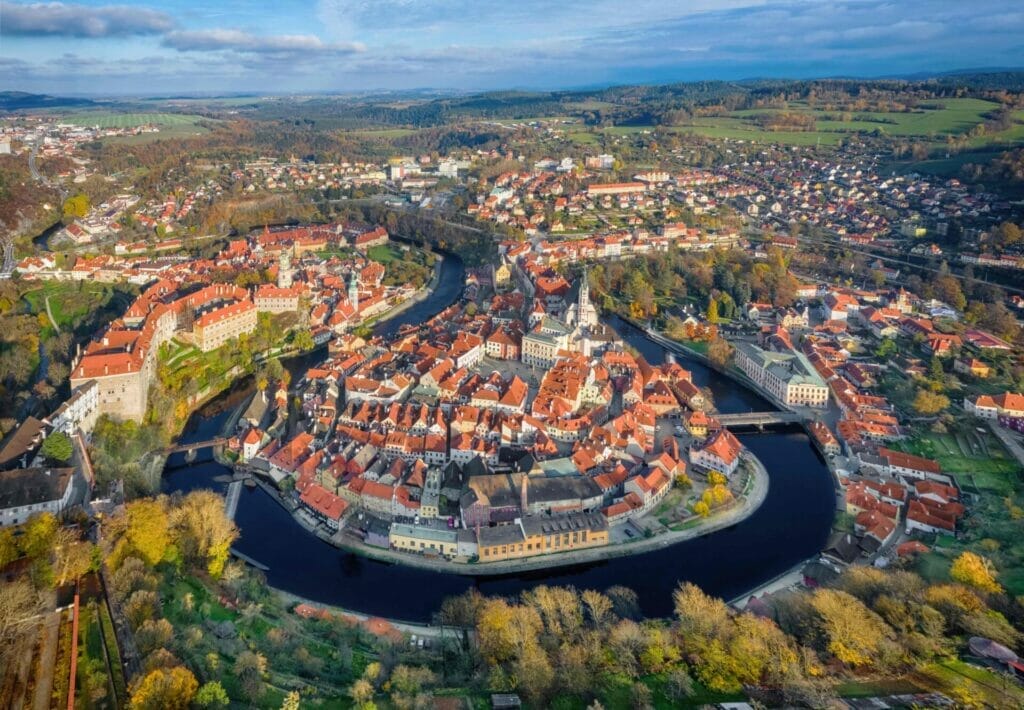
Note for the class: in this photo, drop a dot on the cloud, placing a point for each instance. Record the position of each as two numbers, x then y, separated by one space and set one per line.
239 41
64 20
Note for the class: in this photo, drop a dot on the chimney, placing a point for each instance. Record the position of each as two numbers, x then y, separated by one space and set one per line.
523 503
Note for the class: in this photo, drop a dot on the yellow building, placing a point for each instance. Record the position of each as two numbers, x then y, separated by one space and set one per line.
542 535
422 539
217 327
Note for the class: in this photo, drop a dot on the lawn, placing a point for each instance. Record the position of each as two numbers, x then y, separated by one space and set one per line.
384 253
977 459
69 300
988 688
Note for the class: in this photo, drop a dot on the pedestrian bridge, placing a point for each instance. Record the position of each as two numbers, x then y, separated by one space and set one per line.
761 419
191 448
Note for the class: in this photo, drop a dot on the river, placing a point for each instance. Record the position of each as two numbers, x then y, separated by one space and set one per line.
791 525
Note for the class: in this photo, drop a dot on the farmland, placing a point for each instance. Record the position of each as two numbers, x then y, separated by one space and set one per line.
933 122
131 120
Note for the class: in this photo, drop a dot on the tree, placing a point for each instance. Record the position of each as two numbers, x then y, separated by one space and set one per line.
57 447
291 701
719 351
975 571
75 207
598 606
854 634
886 349
148 530
38 537
203 531
164 689
212 695
361 693
713 311
250 668
929 403
8 547
702 509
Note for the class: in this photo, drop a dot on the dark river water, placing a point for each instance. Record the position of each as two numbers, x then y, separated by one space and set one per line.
790 526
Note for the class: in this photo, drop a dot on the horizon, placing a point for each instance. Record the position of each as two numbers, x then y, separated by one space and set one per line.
145 49
441 92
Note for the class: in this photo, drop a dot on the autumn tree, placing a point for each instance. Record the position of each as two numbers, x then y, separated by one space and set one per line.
855 635
164 689
975 571
928 403
202 530
720 351
148 531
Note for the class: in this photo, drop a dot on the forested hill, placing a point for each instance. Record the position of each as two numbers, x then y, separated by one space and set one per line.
17 100
637 104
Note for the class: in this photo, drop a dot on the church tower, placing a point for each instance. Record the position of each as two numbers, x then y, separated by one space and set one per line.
585 311
353 291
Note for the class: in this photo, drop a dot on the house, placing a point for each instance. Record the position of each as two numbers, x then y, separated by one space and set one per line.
901 464
326 507
971 366
720 452
25 492
1007 404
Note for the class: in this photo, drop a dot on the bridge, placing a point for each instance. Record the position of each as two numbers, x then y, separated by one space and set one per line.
760 419
192 447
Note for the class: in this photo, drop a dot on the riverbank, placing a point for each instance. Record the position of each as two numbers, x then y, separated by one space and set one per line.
740 510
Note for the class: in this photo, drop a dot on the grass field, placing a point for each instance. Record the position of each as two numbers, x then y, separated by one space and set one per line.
933 123
131 120
977 459
384 253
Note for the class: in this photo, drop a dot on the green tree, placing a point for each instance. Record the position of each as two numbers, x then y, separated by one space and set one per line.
212 695
57 447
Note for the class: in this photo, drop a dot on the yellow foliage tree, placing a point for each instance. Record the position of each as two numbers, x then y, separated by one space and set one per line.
148 529
856 635
702 509
164 689
975 571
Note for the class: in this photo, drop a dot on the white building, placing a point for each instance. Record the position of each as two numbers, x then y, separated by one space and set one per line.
789 377
24 492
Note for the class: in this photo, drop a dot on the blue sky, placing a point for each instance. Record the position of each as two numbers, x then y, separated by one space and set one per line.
149 48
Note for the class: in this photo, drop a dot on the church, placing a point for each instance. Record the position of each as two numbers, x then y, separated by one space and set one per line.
578 329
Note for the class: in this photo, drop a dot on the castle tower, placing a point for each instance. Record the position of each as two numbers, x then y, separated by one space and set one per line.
284 269
353 291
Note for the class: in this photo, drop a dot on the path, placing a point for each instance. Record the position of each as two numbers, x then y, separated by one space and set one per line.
404 626
49 314
1009 441
47 661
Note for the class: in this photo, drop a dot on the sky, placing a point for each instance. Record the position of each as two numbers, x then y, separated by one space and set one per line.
150 48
